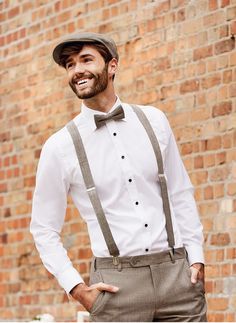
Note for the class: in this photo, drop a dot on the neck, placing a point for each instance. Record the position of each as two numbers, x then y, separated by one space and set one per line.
103 102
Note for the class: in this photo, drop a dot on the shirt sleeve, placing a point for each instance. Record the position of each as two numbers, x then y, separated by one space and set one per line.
48 214
181 194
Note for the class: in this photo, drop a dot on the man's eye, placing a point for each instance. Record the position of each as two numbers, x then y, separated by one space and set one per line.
88 59
69 65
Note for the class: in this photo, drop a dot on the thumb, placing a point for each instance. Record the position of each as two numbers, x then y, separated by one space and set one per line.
194 275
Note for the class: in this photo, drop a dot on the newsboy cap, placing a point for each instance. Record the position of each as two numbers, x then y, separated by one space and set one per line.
86 37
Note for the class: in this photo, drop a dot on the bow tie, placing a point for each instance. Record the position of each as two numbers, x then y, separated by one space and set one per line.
117 114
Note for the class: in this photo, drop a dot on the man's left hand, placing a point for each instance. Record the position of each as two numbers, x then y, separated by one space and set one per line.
197 272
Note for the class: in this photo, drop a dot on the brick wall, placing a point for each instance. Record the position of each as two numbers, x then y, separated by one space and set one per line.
178 55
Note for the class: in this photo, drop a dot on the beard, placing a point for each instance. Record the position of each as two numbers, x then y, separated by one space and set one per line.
100 82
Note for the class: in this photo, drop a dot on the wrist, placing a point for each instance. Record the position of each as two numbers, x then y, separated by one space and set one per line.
77 290
198 265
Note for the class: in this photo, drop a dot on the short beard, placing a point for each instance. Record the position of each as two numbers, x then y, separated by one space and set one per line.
100 84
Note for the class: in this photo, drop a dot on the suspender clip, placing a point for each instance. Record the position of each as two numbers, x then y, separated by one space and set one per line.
172 253
116 262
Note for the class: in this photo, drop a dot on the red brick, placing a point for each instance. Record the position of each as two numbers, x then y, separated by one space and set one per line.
227 76
231 13
13 12
221 109
213 4
189 86
220 239
211 81
224 46
198 162
219 174
203 52
233 28
219 303
208 193
232 90
209 160
214 143
224 31
225 3
231 189
181 15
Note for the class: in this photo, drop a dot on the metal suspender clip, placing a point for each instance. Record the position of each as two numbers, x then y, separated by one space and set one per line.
116 262
172 253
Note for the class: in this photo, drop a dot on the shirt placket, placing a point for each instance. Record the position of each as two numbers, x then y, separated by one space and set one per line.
129 178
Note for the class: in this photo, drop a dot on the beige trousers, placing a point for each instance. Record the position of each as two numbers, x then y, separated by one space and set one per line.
151 288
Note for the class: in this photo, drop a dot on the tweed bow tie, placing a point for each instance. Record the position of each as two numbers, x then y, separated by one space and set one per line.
117 114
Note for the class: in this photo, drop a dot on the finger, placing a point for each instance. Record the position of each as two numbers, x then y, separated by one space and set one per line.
104 287
194 275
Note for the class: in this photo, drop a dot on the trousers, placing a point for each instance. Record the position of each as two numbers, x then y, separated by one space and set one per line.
155 287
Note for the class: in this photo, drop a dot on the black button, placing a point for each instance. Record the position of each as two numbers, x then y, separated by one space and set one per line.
146 250
136 203
114 133
130 180
123 157
146 225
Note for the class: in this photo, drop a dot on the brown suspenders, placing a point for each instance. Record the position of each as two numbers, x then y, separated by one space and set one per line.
92 192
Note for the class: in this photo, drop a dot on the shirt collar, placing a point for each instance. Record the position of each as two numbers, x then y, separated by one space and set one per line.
88 114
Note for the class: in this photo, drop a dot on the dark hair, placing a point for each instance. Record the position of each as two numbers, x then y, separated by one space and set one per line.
75 48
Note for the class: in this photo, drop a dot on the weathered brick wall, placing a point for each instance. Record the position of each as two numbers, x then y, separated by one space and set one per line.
178 55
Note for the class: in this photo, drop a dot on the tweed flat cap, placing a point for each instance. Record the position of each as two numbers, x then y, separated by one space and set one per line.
86 37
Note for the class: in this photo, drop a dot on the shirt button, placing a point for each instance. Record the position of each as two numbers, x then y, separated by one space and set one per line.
147 250
130 180
114 133
146 225
136 203
123 157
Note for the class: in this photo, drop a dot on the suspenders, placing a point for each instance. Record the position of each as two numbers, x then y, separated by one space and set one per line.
92 192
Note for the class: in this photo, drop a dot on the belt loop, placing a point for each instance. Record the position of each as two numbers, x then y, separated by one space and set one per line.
172 253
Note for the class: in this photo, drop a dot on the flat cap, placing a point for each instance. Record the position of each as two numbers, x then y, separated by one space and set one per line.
86 37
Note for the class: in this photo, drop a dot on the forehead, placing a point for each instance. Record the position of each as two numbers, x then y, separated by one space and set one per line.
86 50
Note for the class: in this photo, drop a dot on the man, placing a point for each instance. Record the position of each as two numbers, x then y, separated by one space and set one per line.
146 241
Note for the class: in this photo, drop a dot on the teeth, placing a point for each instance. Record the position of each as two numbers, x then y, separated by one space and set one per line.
82 82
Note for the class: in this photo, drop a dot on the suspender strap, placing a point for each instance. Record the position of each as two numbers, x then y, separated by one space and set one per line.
164 193
91 189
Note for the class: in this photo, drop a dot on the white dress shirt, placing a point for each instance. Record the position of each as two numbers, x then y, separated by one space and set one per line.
125 172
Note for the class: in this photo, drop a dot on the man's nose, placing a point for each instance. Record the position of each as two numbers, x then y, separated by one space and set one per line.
79 68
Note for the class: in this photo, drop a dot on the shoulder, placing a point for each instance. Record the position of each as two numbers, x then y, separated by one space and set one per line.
155 116
59 145
151 111
57 140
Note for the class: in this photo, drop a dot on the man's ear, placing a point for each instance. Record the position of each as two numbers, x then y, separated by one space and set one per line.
113 66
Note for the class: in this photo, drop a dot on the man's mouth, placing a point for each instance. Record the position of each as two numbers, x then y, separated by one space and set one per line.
81 82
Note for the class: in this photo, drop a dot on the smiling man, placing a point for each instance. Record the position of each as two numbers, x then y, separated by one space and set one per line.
120 164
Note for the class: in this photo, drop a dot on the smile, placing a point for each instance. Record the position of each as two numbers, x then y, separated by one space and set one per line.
82 82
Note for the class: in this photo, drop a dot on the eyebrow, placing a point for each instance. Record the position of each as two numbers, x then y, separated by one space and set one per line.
70 59
86 55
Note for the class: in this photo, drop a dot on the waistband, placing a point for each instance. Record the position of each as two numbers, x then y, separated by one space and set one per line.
139 261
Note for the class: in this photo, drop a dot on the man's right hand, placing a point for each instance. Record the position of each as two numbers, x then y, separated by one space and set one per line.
87 295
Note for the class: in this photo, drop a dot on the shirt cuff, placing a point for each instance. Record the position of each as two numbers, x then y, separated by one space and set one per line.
195 254
69 279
